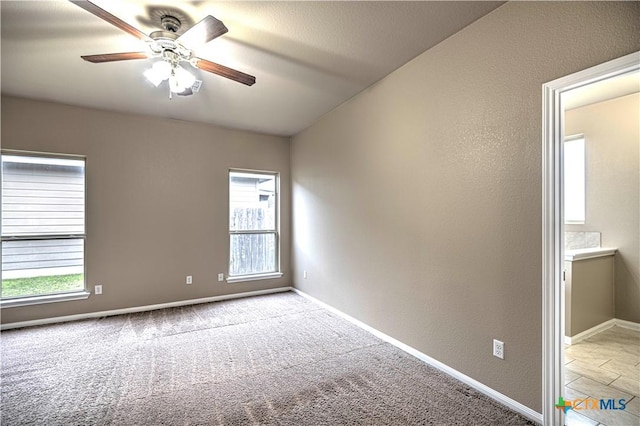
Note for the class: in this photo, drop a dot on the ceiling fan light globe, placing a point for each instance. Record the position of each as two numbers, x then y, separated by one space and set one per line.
160 71
163 68
153 77
185 78
175 84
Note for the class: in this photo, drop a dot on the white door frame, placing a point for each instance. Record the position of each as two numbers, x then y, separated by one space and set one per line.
553 225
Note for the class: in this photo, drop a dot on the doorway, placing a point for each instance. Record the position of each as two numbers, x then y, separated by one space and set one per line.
553 223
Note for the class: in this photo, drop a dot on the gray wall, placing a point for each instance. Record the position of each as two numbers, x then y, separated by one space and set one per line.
157 201
612 149
588 293
417 204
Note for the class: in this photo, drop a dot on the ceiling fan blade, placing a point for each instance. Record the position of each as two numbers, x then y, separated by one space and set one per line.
202 32
113 20
223 71
111 57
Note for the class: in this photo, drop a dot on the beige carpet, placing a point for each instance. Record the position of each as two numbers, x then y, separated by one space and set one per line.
268 360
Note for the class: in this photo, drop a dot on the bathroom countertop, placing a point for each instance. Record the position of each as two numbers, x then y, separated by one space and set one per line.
588 253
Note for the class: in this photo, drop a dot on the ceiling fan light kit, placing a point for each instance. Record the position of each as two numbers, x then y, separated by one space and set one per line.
171 49
169 69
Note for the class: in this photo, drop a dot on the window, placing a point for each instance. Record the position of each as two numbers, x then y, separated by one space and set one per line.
253 225
574 180
43 229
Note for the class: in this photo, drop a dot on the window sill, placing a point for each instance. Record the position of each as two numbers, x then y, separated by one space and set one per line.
241 278
38 300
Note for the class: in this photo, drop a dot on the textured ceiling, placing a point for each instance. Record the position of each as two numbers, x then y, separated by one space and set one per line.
307 57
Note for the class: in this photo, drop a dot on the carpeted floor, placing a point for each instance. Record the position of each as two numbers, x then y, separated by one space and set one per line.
269 360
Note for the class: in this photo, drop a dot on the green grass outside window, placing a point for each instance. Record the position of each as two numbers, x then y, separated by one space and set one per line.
35 286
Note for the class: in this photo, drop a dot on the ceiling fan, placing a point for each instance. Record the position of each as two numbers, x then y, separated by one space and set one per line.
171 48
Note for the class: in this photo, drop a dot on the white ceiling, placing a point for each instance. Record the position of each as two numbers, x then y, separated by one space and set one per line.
307 57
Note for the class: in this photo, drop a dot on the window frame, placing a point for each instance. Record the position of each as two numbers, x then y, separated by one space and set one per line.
276 231
16 301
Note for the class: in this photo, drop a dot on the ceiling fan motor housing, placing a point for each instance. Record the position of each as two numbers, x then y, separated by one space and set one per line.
165 44
170 23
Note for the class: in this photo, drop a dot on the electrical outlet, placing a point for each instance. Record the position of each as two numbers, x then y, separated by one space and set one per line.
97 289
189 279
221 277
498 349
304 275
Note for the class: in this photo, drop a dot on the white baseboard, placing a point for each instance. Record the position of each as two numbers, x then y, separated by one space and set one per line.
141 308
628 324
491 393
599 329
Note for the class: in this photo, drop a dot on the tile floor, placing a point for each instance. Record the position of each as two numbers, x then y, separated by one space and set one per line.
604 366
